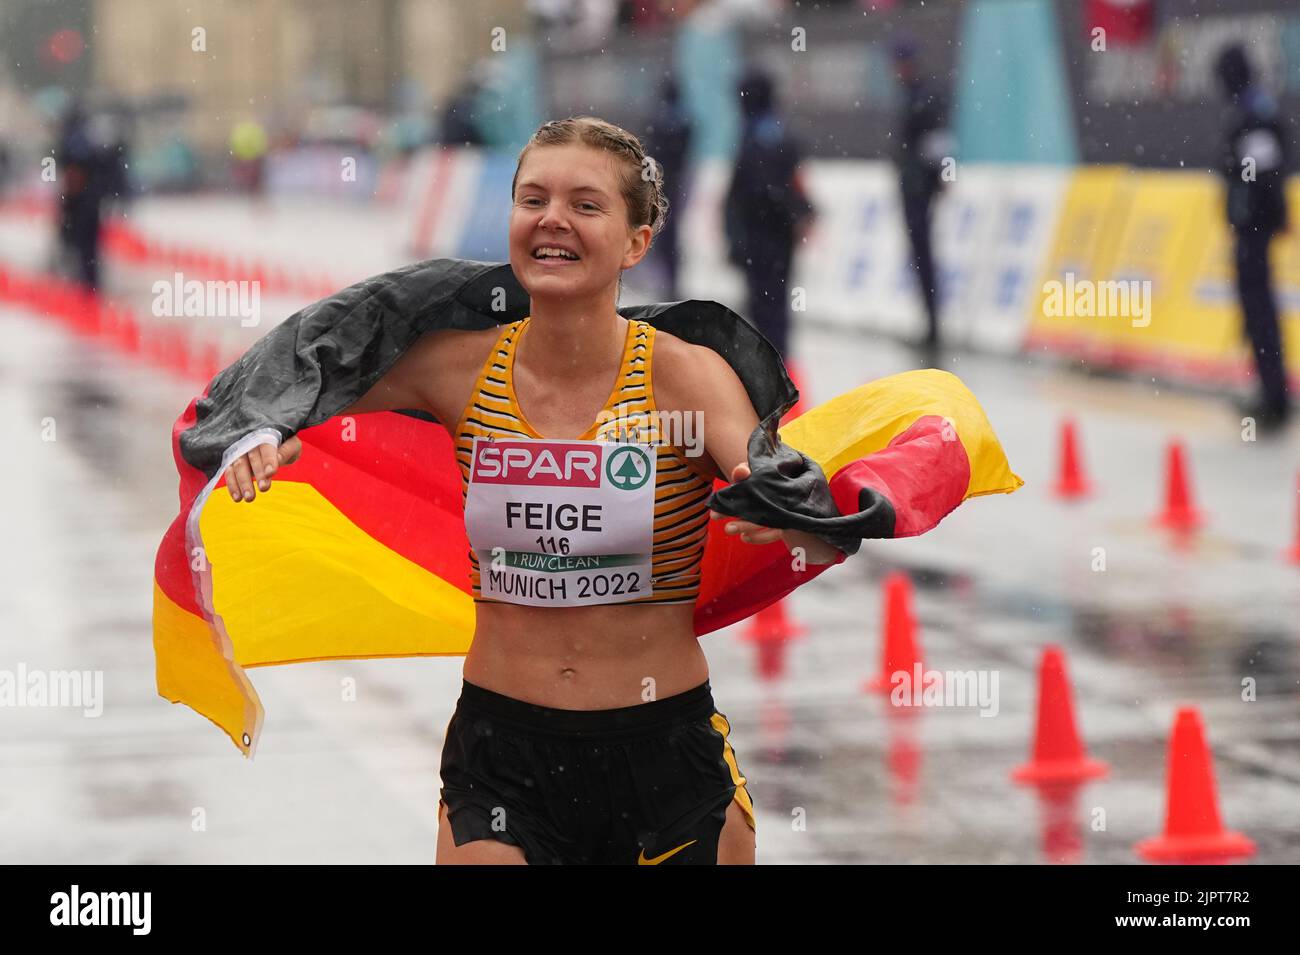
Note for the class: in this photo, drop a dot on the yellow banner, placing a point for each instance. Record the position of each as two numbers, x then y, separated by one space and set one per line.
1141 272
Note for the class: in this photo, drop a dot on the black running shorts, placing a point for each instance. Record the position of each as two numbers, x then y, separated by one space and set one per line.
647 784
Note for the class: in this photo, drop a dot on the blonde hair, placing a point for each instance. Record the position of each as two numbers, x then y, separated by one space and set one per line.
641 179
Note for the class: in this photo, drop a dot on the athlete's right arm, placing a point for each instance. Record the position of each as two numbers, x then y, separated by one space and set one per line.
431 376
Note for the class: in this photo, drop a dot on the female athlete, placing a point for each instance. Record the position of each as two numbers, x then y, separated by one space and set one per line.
585 731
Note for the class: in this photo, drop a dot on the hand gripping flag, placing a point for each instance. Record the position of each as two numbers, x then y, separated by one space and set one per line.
359 549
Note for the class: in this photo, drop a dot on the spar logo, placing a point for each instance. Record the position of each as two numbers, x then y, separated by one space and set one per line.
627 468
536 463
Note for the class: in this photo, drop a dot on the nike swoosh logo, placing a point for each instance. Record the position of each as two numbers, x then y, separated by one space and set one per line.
642 860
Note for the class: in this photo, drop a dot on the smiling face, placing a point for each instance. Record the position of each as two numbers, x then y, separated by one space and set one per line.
568 198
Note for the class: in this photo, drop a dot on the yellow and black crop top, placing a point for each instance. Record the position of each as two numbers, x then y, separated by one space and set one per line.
565 522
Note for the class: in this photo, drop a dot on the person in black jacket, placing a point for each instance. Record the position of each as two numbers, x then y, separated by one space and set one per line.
1254 165
83 170
920 143
460 119
766 210
669 140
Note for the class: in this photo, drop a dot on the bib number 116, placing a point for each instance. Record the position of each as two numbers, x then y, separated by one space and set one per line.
553 545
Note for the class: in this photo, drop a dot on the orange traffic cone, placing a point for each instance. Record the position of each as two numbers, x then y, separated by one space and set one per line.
1180 513
771 624
1061 836
1058 755
903 757
1071 482
901 649
1193 829
770 659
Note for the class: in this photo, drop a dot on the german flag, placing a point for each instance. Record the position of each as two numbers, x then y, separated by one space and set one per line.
359 550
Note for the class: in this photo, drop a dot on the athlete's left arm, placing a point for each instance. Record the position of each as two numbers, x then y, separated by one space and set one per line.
702 380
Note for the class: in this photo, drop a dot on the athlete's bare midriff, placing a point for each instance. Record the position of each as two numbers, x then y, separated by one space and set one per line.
586 658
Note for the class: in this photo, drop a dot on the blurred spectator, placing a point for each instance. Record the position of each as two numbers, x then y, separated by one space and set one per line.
459 120
766 210
1254 165
90 163
116 156
921 142
668 139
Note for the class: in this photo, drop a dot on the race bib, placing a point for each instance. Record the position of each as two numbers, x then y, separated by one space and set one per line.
562 523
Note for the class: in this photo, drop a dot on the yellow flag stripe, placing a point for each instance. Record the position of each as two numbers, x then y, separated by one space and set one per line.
864 420
192 669
294 579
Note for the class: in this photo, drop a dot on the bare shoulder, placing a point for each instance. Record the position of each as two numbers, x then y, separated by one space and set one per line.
457 347
446 364
689 377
